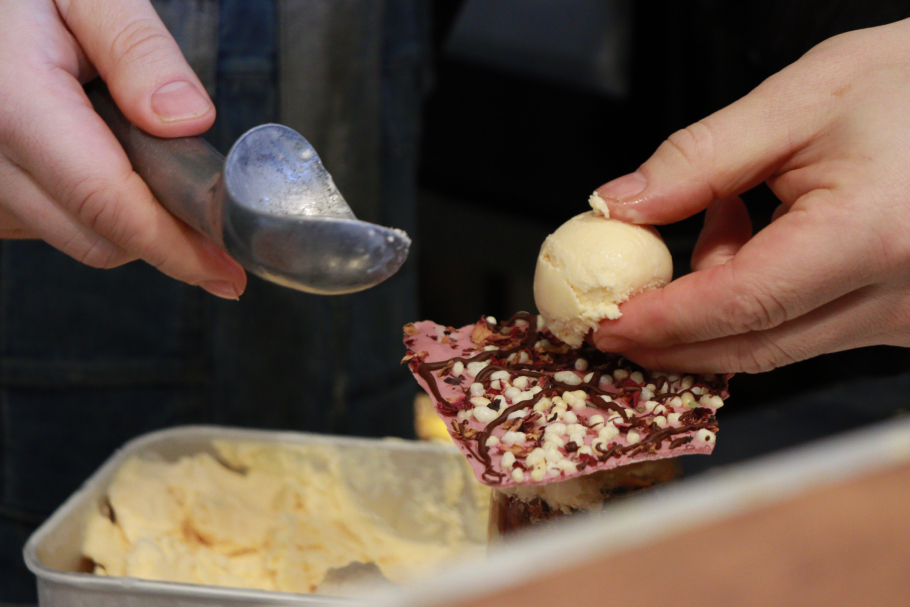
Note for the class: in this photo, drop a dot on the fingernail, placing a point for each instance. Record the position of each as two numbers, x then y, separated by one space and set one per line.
624 188
220 288
615 344
178 101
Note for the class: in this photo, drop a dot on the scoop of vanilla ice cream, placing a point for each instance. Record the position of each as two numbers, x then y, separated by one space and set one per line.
589 266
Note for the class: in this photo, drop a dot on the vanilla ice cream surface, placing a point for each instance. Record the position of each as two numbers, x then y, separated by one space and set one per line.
279 517
590 265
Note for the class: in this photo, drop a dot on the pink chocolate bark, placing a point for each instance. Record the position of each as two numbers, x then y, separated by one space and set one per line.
527 409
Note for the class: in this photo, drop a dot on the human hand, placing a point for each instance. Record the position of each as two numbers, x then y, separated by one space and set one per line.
65 177
830 135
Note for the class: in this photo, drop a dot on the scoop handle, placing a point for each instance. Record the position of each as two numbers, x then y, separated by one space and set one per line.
184 173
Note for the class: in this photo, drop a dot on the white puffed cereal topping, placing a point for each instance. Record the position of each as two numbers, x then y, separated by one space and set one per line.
542 344
688 400
567 465
513 438
538 473
648 405
477 389
620 374
520 382
675 402
596 420
569 417
698 390
491 320
556 428
541 325
490 348
535 390
496 385
660 410
521 322
687 382
523 357
585 450
606 379
606 399
608 431
480 401
518 475
473 368
543 404
523 397
501 375
554 440
508 460
575 429
567 377
711 400
464 414
587 378
581 364
575 399
673 418
457 368
633 436
511 393
637 377
660 420
552 454
519 413
536 457
646 394
491 442
485 415
706 436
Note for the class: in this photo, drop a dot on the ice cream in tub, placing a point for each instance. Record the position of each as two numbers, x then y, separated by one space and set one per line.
417 498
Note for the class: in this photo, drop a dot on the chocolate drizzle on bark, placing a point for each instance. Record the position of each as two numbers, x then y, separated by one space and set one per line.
622 397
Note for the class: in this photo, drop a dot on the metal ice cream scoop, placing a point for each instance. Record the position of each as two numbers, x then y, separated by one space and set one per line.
270 204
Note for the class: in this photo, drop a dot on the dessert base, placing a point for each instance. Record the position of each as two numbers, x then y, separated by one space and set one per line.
516 508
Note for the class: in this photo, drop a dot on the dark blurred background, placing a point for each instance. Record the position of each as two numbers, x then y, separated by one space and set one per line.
537 102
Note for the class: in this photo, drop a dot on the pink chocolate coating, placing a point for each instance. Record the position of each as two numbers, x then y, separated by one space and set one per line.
432 343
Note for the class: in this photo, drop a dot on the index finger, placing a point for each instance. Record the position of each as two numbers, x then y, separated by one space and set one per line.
795 265
69 150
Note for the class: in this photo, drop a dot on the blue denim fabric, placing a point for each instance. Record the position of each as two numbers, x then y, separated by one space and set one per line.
91 358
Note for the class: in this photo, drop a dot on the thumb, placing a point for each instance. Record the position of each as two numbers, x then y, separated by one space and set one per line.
722 155
142 65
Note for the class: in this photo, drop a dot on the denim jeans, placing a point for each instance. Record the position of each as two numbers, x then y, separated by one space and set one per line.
91 358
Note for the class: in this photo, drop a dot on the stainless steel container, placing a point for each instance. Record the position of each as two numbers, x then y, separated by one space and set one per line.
53 553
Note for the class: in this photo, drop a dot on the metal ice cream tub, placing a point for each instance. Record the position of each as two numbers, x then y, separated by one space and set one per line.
54 551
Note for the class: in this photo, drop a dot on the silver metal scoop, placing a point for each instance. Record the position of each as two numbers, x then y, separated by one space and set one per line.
271 205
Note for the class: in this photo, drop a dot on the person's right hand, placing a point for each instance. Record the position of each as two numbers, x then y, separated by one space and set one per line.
65 178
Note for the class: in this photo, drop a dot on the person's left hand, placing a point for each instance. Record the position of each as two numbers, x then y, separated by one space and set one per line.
830 135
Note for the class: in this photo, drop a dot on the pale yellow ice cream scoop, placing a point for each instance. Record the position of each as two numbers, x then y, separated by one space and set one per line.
590 265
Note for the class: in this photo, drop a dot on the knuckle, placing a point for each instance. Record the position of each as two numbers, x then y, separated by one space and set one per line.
101 205
752 307
103 255
694 144
140 41
761 355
